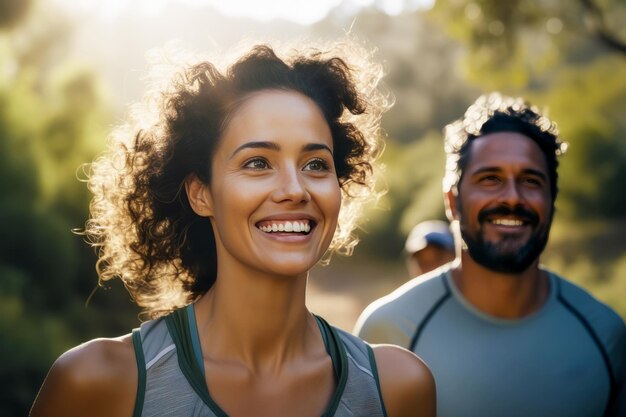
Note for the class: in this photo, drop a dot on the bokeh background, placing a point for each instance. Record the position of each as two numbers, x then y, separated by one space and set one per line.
70 68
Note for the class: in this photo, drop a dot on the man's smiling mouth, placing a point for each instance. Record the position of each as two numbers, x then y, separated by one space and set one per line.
507 222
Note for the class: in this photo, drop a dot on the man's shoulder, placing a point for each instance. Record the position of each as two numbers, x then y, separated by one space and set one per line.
598 317
398 311
413 296
581 301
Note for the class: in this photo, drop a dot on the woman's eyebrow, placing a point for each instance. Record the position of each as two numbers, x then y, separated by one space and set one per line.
316 147
309 147
257 145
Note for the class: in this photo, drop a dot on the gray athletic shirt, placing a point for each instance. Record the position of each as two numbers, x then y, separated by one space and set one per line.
172 382
567 359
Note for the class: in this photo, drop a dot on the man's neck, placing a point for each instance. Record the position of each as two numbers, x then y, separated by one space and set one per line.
503 295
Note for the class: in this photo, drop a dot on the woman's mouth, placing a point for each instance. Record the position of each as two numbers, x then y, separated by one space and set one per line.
303 226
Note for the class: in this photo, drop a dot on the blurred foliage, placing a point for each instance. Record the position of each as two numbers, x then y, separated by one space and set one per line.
420 61
54 116
517 41
589 103
52 119
412 176
12 12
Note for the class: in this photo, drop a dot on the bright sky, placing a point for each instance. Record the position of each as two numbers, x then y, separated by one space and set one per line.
299 11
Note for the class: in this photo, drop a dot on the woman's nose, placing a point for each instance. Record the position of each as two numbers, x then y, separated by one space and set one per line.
291 187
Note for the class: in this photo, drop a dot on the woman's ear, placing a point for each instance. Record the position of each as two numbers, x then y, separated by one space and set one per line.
199 196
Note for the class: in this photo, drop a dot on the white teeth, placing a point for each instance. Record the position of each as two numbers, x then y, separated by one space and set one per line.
507 222
289 227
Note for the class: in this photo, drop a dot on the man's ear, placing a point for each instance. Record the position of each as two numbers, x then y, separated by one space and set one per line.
199 196
450 199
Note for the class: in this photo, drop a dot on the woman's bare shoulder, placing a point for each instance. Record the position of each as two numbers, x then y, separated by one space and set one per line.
96 378
407 385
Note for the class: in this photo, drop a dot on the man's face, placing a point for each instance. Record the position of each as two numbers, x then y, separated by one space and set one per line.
504 204
428 259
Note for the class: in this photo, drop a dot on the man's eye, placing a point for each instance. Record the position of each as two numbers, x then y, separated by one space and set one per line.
256 163
489 179
316 165
534 181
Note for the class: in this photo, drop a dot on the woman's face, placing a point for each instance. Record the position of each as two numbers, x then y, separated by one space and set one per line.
274 197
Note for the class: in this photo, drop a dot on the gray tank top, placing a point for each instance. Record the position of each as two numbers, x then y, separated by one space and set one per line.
172 381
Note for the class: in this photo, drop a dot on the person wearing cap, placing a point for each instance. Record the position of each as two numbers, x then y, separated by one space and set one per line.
503 335
430 244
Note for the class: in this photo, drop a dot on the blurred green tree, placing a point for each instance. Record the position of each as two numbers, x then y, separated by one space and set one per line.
420 61
525 35
412 176
52 119
12 12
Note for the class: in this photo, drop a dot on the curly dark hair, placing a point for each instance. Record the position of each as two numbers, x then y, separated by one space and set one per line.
141 219
495 113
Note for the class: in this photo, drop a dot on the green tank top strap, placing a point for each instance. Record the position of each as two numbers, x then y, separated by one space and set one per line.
374 367
141 373
339 358
182 327
195 337
178 326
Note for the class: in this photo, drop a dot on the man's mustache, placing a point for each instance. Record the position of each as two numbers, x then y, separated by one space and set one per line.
517 211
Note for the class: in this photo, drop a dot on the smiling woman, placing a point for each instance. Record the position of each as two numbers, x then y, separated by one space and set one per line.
213 217
277 152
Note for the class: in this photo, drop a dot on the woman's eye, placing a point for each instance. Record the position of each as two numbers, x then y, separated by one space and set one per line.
316 165
256 163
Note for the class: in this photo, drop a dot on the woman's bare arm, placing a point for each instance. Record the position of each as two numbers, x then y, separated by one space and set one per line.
98 378
407 385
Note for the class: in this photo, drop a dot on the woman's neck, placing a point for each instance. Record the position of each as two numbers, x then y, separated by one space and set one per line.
255 318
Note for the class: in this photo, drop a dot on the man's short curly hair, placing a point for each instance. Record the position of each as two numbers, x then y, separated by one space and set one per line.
141 220
495 113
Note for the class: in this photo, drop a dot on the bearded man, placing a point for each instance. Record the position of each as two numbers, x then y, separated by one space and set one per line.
502 335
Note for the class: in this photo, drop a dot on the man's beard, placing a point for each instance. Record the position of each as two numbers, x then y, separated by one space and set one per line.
507 255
